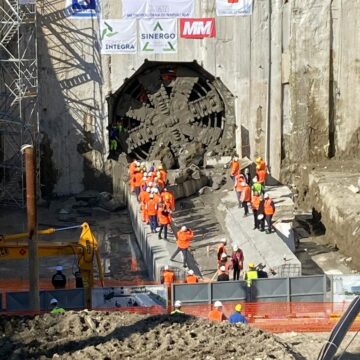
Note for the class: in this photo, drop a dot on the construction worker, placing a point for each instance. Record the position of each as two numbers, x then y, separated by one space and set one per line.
237 317
55 309
157 196
238 187
224 262
164 219
234 168
59 279
168 198
251 274
151 208
216 313
183 238
159 183
247 176
256 186
261 170
143 183
177 308
191 278
136 180
144 197
162 174
167 276
223 275
260 164
260 214
237 259
269 211
245 197
221 249
133 165
255 203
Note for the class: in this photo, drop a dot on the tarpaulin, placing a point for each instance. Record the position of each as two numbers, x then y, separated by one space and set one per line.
234 7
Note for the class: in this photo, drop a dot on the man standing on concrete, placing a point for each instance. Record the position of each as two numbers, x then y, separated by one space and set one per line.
151 208
269 211
164 219
245 197
238 187
251 274
237 259
59 279
183 238
255 203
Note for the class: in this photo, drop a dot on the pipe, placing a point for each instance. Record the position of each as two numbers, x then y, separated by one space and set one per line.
30 166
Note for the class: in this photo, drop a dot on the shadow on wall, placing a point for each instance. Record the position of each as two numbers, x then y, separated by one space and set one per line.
71 123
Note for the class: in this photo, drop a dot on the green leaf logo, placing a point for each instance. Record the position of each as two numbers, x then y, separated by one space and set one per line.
108 31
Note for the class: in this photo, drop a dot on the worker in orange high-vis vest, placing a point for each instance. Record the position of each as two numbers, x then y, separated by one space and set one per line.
216 314
167 276
143 183
255 203
183 238
238 187
144 198
136 179
164 219
191 278
162 174
168 198
269 211
260 163
245 197
234 168
151 208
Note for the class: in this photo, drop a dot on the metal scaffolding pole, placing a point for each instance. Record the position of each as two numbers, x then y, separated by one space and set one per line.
19 116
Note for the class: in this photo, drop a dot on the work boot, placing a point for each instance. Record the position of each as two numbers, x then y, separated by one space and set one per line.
160 236
268 231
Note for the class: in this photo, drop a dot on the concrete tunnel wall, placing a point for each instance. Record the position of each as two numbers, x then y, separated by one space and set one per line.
302 100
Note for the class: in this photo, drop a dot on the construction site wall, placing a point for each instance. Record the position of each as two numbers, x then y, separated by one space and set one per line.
293 67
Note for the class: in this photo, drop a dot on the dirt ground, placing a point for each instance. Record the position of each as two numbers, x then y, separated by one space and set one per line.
118 335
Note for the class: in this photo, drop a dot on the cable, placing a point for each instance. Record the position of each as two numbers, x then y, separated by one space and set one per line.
348 344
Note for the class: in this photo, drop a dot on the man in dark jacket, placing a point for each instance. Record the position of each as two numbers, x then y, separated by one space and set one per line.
237 259
223 275
59 279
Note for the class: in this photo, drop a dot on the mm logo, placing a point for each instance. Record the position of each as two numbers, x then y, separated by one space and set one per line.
197 28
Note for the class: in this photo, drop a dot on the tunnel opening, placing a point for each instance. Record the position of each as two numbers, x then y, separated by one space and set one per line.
165 107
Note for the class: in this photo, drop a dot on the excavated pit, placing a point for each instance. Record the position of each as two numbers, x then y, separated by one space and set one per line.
167 109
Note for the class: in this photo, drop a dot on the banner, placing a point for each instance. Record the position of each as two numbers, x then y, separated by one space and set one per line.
197 28
158 8
158 36
118 36
234 7
80 9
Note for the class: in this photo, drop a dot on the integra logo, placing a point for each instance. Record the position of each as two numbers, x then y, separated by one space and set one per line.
119 46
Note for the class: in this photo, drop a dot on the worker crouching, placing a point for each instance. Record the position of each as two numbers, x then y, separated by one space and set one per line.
216 314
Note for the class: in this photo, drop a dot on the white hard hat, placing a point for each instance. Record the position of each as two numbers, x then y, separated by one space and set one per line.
236 158
223 256
166 267
58 268
150 184
151 196
148 189
156 178
223 240
218 304
222 268
156 190
243 183
177 303
254 179
137 162
144 178
165 189
143 164
183 228
266 196
236 247
145 173
53 301
191 272
153 189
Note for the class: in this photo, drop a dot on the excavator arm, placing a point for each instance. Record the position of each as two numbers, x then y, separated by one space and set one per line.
14 247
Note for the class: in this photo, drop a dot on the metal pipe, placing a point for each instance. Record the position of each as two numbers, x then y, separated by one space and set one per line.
30 166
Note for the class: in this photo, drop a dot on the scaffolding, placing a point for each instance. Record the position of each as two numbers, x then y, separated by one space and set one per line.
19 115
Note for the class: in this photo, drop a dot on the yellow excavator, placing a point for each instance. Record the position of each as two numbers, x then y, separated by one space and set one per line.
15 247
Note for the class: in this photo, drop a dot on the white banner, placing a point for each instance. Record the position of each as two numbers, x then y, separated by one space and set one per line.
158 8
234 7
118 36
80 9
158 36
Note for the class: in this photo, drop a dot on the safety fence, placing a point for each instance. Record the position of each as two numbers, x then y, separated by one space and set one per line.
291 289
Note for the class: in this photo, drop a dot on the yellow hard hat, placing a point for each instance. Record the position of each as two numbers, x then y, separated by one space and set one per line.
258 159
258 167
251 265
160 167
238 307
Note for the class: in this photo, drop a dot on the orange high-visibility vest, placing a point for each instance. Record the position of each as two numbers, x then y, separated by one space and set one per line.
157 198
269 207
132 168
137 177
162 174
169 277
261 175
191 279
184 238
235 168
216 315
163 219
151 207
246 193
239 179
255 202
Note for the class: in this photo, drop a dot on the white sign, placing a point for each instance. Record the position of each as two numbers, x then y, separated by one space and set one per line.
80 9
118 36
234 7
158 8
158 36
